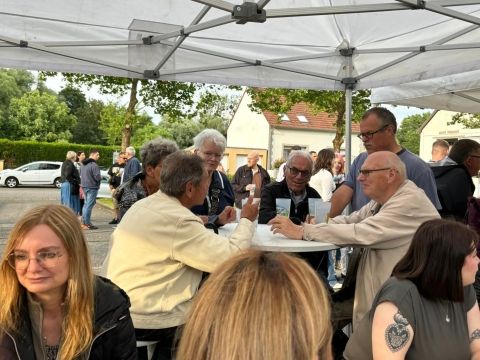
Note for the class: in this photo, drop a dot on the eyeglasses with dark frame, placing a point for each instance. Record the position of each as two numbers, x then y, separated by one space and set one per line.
46 259
366 172
369 134
303 173
210 155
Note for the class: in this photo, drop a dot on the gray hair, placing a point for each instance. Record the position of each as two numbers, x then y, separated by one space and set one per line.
71 155
130 150
210 135
154 151
299 153
178 169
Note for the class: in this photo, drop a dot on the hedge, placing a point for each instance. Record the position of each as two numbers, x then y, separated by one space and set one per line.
17 153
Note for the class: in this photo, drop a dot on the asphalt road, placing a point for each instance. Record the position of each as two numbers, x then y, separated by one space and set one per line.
15 202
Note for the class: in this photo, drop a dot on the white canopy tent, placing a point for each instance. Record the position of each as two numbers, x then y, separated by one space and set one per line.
353 44
458 92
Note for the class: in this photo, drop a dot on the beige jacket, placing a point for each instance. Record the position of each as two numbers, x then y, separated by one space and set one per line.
385 232
158 253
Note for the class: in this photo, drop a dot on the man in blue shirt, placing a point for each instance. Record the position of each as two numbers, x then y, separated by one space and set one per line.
377 132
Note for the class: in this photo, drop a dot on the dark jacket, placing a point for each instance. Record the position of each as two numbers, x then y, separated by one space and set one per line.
130 192
268 208
115 172
220 195
70 173
243 177
114 335
132 167
454 186
90 174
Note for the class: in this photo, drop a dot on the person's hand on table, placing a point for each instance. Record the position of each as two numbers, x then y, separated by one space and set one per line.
227 215
249 210
283 225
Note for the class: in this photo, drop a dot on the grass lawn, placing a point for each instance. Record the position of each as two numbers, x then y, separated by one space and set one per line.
106 202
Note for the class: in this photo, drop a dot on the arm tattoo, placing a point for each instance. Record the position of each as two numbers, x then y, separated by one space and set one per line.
396 334
475 335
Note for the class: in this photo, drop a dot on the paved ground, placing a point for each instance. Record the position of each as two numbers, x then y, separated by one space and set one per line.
15 202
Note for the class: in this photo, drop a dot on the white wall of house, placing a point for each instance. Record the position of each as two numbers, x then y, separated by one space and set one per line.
438 128
247 128
311 140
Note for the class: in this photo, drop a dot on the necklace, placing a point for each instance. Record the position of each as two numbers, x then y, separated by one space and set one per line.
447 317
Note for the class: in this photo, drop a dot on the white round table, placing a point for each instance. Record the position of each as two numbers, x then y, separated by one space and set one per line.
265 239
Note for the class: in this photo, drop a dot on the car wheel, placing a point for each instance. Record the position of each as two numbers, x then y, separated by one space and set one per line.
11 182
57 183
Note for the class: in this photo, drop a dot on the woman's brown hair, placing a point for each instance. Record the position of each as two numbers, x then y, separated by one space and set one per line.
259 306
435 258
324 160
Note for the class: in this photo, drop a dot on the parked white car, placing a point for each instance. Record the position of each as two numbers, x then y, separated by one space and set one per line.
104 191
34 173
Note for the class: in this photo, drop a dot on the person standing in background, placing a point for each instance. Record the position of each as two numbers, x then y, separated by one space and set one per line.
440 150
79 165
322 181
249 177
338 170
91 179
115 172
132 167
69 193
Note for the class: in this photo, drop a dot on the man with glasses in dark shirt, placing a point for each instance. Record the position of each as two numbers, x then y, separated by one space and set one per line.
298 170
377 132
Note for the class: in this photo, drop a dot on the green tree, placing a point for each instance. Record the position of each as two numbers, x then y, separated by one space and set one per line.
40 117
111 122
148 132
280 101
470 121
74 98
87 129
166 97
408 134
182 130
15 83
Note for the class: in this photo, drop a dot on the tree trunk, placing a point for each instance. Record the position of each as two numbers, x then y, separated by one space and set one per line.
340 126
130 113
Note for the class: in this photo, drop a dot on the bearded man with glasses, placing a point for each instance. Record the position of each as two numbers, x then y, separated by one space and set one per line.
377 132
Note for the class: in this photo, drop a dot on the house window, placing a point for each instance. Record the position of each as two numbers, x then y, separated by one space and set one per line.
302 119
284 117
287 149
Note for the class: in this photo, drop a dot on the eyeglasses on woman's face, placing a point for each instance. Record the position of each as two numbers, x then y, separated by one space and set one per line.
47 259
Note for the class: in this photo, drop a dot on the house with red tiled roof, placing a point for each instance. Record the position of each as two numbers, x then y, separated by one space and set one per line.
274 136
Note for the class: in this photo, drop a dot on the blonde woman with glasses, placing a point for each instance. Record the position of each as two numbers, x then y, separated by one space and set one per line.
51 304
259 305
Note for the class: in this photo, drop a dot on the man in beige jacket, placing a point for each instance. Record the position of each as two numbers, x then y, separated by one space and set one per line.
384 227
160 249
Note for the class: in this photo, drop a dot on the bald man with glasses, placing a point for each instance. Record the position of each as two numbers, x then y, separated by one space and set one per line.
384 227
377 132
